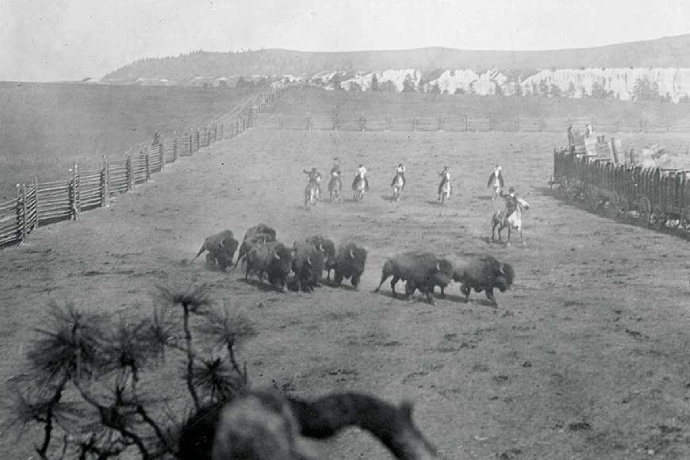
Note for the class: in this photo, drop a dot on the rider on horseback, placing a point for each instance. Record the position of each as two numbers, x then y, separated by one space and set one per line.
400 171
361 176
511 200
314 178
445 177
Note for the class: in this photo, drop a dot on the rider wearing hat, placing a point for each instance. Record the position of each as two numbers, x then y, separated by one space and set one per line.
445 177
361 175
400 171
511 201
314 178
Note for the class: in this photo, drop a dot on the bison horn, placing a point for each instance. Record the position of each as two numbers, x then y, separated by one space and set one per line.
321 247
277 257
438 266
309 261
221 244
352 254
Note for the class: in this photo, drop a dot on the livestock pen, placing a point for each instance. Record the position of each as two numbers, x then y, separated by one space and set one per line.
37 203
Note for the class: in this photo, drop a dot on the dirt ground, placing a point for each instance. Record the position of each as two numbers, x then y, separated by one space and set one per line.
586 358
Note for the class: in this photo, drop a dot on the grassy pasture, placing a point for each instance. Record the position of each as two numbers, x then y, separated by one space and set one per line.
586 358
45 127
406 105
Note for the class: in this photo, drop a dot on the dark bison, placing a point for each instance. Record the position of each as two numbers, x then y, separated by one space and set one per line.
221 249
272 259
260 233
348 263
326 246
483 273
308 263
421 270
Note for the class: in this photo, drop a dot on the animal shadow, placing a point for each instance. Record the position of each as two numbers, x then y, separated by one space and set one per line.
391 198
261 286
483 198
332 284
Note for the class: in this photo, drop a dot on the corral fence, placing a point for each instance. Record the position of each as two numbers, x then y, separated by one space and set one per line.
38 204
463 123
651 197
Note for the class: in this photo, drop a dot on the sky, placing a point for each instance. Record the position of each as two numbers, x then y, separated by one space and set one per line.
55 40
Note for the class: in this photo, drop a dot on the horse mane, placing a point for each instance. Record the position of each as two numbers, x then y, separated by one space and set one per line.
263 425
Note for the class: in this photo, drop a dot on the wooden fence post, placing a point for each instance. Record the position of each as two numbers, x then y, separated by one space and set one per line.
130 172
105 183
467 123
21 212
517 122
414 122
35 226
74 203
362 123
147 162
161 152
389 123
441 121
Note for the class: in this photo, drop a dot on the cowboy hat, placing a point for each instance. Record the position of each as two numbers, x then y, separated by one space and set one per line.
511 190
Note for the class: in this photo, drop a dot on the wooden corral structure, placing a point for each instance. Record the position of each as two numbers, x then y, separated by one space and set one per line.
38 204
654 197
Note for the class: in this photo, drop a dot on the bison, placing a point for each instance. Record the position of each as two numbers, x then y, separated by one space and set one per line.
260 233
483 273
326 246
221 249
308 263
273 259
348 263
421 270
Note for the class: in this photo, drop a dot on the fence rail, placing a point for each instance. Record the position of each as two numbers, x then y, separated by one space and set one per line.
462 123
37 204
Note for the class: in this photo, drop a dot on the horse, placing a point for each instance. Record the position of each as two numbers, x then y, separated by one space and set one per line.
359 186
311 194
334 187
444 190
510 220
496 182
398 185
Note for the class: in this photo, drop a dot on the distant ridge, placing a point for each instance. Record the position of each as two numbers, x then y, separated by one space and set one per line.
667 52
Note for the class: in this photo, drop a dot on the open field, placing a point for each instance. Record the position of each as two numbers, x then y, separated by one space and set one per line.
406 105
585 358
45 127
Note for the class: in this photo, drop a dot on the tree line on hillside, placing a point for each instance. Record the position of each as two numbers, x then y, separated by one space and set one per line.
643 91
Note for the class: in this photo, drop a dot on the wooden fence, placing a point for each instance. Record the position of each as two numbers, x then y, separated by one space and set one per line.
463 123
37 204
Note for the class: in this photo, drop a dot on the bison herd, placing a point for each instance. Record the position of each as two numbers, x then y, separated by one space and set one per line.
300 267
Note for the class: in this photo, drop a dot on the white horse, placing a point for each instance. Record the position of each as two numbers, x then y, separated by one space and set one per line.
398 185
444 190
495 182
513 221
311 194
359 186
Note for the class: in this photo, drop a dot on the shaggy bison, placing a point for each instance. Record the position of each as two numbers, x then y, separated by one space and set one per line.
484 273
348 263
221 249
308 264
326 246
259 234
421 270
272 259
